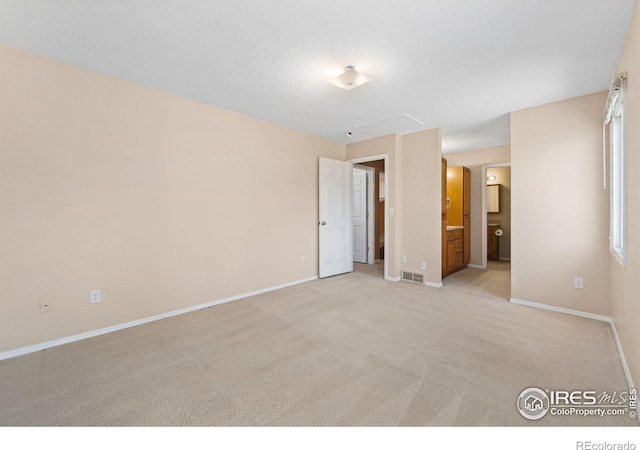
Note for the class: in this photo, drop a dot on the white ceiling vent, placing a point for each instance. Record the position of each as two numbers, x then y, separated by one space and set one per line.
400 124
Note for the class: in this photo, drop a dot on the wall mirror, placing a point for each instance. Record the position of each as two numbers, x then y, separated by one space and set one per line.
493 198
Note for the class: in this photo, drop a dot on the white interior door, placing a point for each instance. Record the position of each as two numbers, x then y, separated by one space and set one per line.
335 218
359 215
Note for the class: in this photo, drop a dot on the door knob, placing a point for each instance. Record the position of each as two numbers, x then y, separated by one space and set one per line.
322 223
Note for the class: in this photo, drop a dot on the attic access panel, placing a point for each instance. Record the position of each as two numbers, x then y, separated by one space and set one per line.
400 124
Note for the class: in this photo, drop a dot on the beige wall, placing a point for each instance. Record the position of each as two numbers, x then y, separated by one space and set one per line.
503 178
559 211
474 160
414 165
625 283
421 203
390 146
160 202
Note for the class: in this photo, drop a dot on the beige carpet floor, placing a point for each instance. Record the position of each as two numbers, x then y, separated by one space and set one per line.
348 350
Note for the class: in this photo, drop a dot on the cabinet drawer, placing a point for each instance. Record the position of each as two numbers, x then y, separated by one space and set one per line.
454 234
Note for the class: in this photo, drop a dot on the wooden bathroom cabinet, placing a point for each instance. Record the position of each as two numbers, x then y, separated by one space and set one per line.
456 243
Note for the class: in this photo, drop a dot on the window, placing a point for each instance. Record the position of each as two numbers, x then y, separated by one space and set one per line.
617 233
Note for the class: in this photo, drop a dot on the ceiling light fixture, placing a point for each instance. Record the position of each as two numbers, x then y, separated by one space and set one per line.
491 178
350 79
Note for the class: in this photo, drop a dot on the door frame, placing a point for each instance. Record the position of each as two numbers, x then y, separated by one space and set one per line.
484 208
371 230
385 157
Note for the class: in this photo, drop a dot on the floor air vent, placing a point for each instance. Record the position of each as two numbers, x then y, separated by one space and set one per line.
410 276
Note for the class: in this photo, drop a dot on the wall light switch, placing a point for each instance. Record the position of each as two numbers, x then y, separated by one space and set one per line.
423 265
392 211
579 283
404 258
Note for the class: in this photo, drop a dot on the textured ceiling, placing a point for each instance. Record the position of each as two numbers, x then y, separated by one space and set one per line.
460 65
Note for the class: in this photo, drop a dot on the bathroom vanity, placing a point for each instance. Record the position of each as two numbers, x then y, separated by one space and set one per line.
493 242
456 223
454 255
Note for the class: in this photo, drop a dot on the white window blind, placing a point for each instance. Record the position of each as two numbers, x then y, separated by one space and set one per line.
614 118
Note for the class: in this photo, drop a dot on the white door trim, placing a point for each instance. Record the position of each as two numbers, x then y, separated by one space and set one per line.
360 208
385 157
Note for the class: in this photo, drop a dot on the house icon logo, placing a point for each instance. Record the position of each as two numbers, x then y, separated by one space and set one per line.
533 403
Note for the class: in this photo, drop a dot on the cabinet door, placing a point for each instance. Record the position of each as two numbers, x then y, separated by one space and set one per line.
459 253
444 186
467 239
444 246
451 256
455 196
444 217
493 198
491 237
493 244
466 188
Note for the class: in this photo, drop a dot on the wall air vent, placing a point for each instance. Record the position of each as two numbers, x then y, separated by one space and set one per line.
410 276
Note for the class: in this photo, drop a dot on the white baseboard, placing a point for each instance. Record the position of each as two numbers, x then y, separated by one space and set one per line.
623 360
89 334
394 279
474 266
573 312
504 259
625 367
435 285
587 315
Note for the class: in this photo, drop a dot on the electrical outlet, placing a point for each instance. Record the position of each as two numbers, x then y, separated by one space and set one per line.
45 306
579 283
423 265
404 258
95 296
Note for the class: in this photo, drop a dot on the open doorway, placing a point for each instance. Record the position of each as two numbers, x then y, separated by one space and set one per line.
497 218
498 213
376 231
493 278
